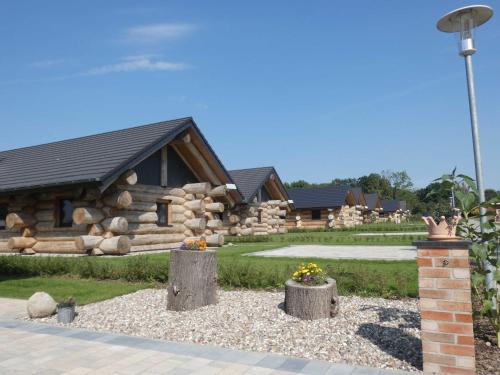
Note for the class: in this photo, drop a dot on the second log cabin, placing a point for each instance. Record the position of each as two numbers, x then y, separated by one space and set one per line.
330 207
143 188
265 203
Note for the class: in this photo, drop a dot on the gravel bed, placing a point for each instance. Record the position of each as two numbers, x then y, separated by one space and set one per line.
367 331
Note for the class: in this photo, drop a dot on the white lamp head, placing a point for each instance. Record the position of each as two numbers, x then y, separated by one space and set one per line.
463 21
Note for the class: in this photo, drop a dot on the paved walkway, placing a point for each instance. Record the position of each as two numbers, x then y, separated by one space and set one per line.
11 308
33 348
342 252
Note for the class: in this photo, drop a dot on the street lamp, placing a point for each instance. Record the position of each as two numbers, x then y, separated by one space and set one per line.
463 21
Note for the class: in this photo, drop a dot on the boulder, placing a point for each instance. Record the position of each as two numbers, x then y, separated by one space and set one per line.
41 305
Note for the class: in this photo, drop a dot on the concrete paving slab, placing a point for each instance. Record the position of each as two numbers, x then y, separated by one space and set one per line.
342 252
70 355
11 308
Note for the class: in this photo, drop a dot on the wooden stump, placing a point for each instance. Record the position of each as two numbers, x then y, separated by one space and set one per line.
311 302
192 279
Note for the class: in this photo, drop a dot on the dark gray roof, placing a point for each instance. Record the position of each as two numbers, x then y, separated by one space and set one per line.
390 205
357 191
371 200
329 197
250 180
97 159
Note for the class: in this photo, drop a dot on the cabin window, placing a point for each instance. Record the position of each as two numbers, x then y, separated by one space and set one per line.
316 214
163 212
3 215
64 213
259 217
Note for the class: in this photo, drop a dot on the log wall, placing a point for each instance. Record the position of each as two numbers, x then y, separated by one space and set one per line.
258 219
343 217
120 220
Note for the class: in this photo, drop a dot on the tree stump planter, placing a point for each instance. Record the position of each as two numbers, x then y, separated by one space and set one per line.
311 302
192 279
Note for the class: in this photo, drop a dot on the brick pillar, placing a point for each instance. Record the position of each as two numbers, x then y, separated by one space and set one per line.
445 307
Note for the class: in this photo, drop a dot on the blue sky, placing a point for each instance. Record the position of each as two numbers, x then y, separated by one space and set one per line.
319 89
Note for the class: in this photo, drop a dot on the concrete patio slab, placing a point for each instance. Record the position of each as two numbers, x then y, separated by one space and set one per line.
342 252
33 348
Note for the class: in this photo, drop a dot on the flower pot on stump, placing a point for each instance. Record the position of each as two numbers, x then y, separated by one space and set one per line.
192 279
311 302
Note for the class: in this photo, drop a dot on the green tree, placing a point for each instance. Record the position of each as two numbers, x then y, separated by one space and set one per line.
297 184
399 180
376 183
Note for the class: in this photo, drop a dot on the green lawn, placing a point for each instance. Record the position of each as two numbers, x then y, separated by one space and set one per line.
390 279
84 291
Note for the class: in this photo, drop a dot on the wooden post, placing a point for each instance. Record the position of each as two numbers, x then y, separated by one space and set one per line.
192 279
164 166
446 307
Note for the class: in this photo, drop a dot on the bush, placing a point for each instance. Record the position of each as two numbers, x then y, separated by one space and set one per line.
364 278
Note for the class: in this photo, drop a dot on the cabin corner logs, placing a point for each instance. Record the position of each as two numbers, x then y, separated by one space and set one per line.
122 219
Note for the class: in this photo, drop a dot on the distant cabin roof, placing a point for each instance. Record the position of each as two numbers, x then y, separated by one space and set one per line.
329 197
390 205
371 200
250 180
97 159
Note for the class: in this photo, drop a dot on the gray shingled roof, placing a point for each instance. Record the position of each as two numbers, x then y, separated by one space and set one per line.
98 159
250 180
390 205
329 197
357 191
371 200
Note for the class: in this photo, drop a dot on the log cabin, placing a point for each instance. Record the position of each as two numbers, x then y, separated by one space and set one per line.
393 210
137 189
265 203
331 207
374 207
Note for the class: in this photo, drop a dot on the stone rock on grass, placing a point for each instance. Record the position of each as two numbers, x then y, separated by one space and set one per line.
41 305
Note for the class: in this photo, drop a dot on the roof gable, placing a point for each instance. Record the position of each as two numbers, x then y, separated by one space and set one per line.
97 159
250 180
390 205
372 201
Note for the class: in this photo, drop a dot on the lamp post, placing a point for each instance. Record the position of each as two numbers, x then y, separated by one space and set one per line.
463 21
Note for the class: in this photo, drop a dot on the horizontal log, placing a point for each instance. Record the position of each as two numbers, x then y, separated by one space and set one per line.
179 218
225 232
115 245
88 242
234 219
196 224
214 224
153 198
154 239
197 188
44 215
87 215
218 191
246 231
234 231
214 207
19 220
118 199
128 178
135 228
284 204
196 205
4 248
274 202
163 246
20 242
137 216
95 230
143 206
59 247
45 205
177 209
117 224
189 214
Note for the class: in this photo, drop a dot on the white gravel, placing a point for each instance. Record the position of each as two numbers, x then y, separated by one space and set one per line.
367 331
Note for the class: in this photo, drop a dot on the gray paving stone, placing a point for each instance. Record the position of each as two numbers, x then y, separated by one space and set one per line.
271 361
293 364
316 368
340 369
364 371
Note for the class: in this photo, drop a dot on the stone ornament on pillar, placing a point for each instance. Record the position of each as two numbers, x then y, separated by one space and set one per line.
445 230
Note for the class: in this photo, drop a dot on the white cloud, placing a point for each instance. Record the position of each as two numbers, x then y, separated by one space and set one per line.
45 64
137 63
158 32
